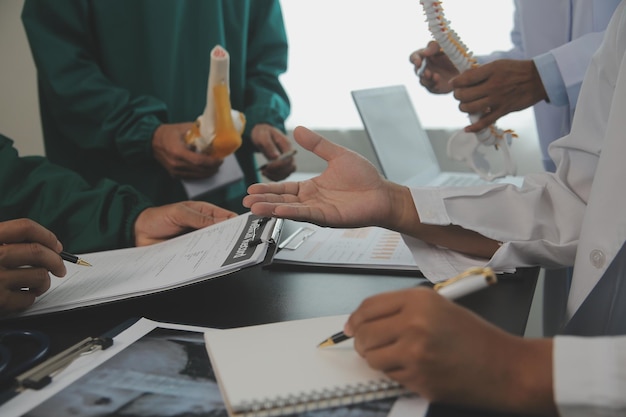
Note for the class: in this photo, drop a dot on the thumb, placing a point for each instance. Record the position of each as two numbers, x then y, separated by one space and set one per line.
317 144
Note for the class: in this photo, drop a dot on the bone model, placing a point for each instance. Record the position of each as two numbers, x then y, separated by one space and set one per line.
463 60
217 131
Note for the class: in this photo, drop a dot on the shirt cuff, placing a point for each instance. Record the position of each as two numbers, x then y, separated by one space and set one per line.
588 376
551 78
429 203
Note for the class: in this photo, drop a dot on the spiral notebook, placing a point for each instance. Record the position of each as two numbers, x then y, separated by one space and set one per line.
277 369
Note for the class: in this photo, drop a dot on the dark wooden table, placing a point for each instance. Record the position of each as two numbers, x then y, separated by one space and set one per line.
265 294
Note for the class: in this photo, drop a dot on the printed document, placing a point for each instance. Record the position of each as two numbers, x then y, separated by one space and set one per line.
364 247
199 255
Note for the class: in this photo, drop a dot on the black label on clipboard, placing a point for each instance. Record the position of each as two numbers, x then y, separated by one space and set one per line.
248 240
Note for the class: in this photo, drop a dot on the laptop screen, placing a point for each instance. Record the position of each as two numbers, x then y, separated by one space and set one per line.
400 143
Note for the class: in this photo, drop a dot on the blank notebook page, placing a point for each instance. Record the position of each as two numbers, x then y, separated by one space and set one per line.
279 363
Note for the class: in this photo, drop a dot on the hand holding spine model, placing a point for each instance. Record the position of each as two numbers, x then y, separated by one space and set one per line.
463 145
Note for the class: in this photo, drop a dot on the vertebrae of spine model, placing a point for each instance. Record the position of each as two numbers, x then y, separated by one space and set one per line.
462 59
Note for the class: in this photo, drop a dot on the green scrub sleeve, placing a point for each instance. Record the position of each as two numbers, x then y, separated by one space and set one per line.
86 106
84 218
266 99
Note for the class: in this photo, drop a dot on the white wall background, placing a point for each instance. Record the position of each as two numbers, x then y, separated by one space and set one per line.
19 114
340 45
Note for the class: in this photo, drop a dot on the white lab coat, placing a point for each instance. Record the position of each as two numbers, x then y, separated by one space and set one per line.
570 31
576 216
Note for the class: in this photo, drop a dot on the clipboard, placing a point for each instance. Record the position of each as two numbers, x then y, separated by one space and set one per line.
203 254
42 374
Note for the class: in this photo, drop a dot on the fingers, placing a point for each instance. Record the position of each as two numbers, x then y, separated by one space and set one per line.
432 49
317 144
294 211
204 214
18 255
171 151
34 281
26 230
20 287
486 120
281 167
475 95
289 187
15 301
269 140
280 199
472 77
390 358
274 144
156 224
274 199
192 165
280 170
28 251
374 308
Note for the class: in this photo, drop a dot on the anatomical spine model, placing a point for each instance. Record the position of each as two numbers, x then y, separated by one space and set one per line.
462 145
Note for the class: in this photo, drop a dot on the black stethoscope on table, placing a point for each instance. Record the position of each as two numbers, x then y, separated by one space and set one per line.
33 347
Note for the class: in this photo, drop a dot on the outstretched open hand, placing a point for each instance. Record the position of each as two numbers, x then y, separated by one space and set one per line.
349 193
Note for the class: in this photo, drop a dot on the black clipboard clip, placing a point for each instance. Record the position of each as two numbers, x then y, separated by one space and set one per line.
41 375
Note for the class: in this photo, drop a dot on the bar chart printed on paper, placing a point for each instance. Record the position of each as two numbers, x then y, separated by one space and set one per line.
366 247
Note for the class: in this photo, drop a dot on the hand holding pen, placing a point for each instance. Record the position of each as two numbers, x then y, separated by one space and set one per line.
447 353
472 280
28 253
66 256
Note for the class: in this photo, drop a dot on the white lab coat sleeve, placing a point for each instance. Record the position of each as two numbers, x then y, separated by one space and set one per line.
573 59
539 223
589 376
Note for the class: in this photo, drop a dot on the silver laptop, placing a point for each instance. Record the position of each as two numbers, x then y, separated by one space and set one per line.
400 144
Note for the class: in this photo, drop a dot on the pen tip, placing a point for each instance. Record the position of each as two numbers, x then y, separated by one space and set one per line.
83 263
327 342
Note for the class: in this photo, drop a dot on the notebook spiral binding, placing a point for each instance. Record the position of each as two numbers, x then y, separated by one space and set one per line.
327 398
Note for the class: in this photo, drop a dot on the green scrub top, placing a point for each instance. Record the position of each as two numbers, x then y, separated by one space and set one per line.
111 71
84 218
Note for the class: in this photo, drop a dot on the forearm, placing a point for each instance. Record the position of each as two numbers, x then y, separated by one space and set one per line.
531 390
84 218
406 220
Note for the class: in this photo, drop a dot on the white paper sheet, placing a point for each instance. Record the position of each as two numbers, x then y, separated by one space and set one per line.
229 172
365 247
198 255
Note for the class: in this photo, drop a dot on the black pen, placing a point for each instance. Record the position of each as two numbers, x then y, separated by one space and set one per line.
74 259
334 339
472 280
281 157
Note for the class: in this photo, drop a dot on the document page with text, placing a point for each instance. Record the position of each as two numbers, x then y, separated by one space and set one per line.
117 274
